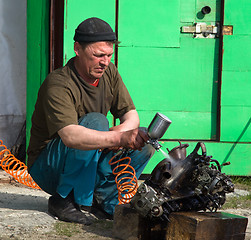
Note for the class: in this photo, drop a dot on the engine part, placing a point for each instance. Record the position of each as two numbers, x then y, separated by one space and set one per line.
179 152
181 183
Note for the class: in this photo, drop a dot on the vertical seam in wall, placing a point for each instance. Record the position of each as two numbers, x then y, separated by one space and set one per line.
51 31
41 41
65 20
116 45
116 32
56 34
218 131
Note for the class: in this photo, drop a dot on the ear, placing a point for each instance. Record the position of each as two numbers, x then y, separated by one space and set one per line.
77 48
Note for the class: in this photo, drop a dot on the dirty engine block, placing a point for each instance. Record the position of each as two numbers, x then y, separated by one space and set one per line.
183 183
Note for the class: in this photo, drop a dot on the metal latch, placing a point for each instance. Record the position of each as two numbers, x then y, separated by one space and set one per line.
202 30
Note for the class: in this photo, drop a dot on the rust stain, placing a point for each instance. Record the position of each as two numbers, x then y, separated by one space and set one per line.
227 30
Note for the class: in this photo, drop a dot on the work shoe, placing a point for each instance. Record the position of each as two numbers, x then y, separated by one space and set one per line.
66 210
97 210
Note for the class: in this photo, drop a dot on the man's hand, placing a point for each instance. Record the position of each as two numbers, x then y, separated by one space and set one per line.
134 139
131 137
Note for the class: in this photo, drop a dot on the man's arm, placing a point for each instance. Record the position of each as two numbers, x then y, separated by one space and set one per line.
125 135
79 137
128 121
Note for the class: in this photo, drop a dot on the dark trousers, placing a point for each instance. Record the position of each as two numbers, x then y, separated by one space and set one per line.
61 169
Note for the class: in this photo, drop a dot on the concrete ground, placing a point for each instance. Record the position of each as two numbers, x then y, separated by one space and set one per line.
24 215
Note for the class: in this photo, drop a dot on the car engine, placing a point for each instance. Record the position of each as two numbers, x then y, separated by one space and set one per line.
183 183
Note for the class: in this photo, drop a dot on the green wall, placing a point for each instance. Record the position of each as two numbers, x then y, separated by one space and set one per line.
98 8
237 154
236 74
168 71
235 101
37 53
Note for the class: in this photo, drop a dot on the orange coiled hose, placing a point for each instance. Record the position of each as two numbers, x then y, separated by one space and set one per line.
126 180
15 167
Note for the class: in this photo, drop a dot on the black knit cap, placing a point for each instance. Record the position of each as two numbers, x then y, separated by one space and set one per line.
94 30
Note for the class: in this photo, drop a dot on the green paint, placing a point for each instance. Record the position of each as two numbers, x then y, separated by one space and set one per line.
181 82
236 75
237 52
149 24
171 79
77 11
153 69
187 11
185 125
179 78
237 154
236 88
37 53
236 124
237 13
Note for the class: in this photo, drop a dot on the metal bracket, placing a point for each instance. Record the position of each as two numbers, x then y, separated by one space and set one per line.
202 30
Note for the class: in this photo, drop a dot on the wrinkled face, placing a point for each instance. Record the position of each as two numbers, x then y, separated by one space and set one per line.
92 61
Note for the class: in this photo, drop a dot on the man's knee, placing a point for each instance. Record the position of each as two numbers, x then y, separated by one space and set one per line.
96 121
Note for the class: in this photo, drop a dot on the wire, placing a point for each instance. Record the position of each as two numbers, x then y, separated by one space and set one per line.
126 180
16 168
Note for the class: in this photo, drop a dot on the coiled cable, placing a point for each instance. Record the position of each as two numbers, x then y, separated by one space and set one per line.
16 168
126 180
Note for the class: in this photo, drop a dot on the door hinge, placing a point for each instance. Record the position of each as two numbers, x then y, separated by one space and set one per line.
202 30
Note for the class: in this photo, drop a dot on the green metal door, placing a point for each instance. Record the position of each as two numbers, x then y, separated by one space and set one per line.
167 70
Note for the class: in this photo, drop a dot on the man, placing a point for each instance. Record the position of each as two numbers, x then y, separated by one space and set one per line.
70 130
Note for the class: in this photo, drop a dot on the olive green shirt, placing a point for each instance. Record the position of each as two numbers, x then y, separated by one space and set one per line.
64 97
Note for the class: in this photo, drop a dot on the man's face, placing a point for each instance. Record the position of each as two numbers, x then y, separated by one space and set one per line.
93 60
